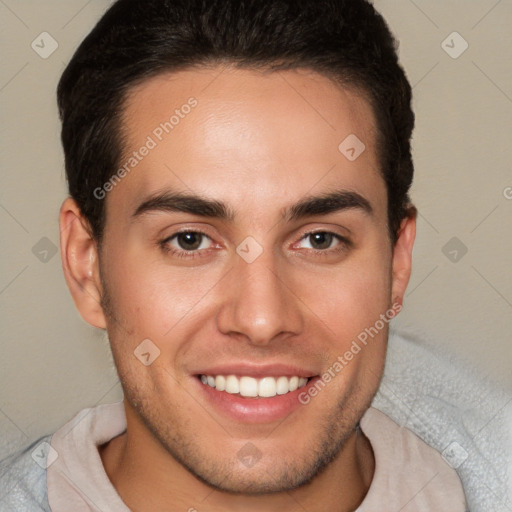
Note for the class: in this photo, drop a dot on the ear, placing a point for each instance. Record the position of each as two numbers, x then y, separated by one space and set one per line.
80 263
402 256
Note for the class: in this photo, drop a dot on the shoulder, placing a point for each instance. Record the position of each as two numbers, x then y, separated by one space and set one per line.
446 403
23 478
409 474
398 448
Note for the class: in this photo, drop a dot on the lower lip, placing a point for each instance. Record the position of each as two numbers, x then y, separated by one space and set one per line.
255 410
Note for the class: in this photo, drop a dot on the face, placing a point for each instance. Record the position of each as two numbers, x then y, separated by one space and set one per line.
238 285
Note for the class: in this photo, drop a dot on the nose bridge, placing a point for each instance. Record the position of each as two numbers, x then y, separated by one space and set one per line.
258 302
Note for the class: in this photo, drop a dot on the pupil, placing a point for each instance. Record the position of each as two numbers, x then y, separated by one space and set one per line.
191 241
322 239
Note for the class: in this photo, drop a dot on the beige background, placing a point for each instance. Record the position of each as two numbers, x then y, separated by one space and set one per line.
53 364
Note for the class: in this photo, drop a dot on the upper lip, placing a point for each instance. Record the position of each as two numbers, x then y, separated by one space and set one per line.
257 371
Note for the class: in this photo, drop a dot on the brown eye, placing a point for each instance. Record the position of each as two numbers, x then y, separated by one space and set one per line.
189 240
186 244
324 243
321 240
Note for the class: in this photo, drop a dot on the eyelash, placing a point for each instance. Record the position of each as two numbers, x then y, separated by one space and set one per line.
344 245
182 253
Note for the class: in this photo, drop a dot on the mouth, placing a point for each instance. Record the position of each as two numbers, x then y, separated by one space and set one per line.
251 387
260 398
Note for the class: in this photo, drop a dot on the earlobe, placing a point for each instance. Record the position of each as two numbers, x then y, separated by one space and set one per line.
402 256
80 263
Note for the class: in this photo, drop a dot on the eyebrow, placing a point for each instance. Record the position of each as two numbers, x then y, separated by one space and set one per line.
324 204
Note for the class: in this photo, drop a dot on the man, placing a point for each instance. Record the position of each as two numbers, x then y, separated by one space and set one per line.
238 218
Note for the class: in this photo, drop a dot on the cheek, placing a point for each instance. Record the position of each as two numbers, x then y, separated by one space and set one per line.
150 297
350 301
352 296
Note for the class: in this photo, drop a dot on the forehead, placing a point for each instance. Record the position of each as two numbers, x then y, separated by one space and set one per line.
248 138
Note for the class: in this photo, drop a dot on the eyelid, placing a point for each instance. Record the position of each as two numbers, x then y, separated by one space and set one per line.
174 252
343 240
198 231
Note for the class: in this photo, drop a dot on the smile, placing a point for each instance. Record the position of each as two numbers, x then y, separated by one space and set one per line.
251 387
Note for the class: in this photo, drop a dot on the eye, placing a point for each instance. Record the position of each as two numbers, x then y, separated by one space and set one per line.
186 244
322 242
193 244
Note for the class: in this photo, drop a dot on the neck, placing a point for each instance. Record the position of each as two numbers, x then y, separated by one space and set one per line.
148 478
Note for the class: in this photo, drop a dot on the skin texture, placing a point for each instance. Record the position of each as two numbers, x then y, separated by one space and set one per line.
258 142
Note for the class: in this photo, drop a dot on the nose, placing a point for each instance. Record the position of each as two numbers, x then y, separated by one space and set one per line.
259 303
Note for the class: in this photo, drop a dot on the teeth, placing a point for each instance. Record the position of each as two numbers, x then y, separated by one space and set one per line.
248 386
267 386
251 387
282 386
232 384
220 382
